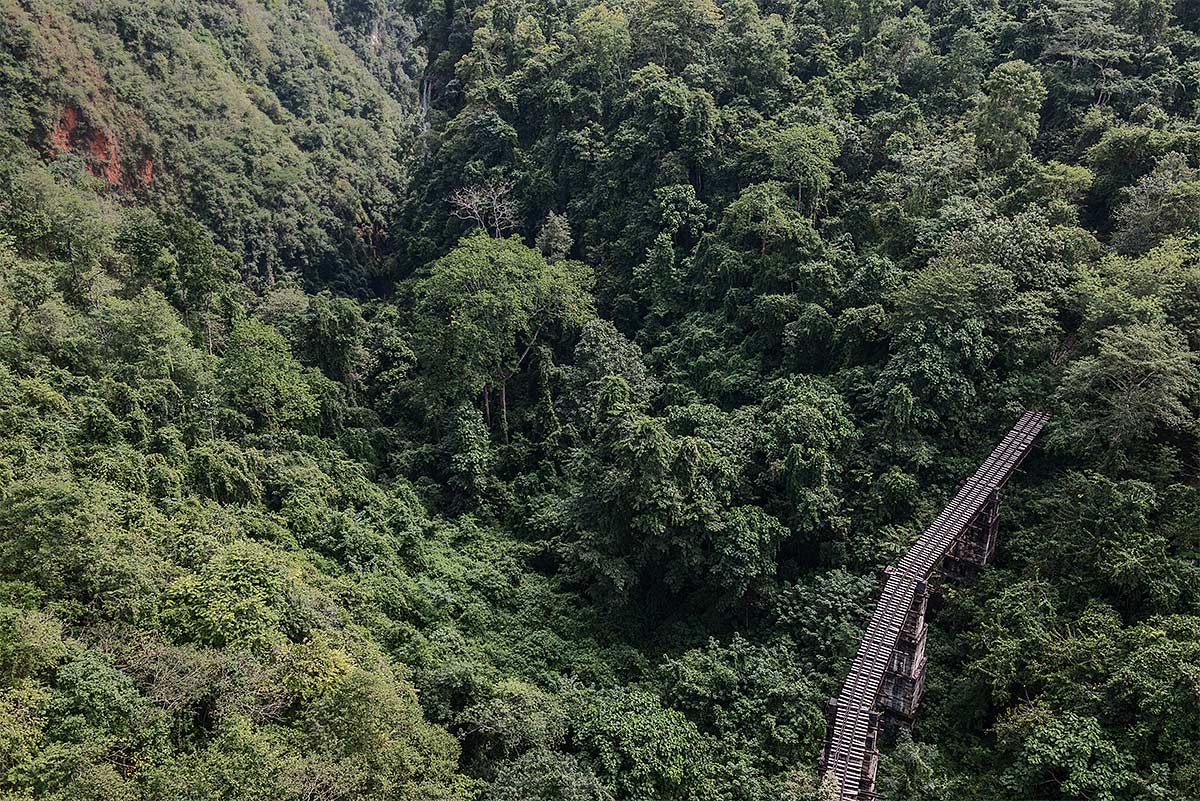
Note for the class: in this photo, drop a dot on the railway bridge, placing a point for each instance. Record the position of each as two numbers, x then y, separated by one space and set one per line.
887 676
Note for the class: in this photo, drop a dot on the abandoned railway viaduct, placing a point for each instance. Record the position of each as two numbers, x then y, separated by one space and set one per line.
888 673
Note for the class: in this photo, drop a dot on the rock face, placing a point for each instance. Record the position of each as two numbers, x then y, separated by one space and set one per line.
101 151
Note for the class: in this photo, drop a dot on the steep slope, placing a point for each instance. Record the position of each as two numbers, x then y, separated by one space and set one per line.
257 119
592 511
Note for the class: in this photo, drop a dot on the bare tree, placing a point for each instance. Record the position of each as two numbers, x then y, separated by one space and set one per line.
489 205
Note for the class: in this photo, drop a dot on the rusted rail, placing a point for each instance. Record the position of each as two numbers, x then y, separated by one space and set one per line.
891 652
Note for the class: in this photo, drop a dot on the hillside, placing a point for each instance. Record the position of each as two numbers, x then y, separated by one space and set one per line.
282 128
513 399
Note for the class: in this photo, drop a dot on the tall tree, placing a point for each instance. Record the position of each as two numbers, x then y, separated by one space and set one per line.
482 308
1007 121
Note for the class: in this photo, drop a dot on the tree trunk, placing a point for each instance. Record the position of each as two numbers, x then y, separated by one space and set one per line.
504 409
487 407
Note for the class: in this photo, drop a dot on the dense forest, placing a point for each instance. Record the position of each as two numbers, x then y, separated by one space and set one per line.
516 400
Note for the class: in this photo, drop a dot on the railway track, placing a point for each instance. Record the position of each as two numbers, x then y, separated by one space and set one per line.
854 715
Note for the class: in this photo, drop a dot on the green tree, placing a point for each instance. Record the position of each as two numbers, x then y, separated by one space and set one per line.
1068 752
554 238
912 771
481 310
1009 113
756 699
262 378
334 337
544 775
1087 46
1140 383
1162 204
766 218
654 515
804 156
640 749
953 323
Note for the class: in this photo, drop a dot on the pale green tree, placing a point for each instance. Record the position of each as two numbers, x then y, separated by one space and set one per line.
1006 122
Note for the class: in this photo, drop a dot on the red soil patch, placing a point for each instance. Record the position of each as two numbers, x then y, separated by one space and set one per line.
103 155
60 140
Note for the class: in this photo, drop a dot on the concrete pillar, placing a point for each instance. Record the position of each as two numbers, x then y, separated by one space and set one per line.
871 763
831 708
904 680
976 545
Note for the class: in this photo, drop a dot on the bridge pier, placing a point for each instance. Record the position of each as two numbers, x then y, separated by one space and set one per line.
904 679
975 545
869 747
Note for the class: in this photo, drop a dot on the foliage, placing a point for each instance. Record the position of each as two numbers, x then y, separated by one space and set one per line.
506 400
